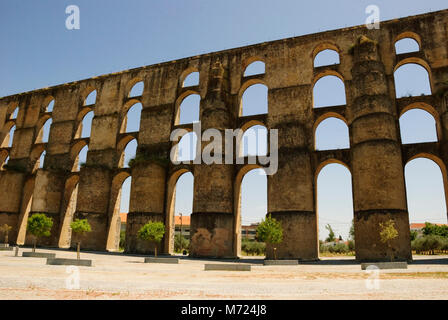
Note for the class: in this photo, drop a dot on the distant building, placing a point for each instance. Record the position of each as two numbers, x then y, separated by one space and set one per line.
183 222
249 232
123 218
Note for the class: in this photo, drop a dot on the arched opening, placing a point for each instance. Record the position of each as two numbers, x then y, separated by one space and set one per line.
40 162
10 136
80 159
255 100
137 90
251 203
406 45
191 80
334 208
86 125
417 126
329 91
326 57
332 133
44 132
69 209
50 106
426 193
90 99
255 68
411 80
120 197
180 207
131 122
254 142
186 148
189 108
14 114
129 153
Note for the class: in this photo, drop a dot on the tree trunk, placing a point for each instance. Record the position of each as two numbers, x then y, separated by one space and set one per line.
34 244
275 253
78 255
155 250
6 238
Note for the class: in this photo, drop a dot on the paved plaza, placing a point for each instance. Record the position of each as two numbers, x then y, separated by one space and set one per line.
118 276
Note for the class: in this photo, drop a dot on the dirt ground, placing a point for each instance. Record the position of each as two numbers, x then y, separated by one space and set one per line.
118 276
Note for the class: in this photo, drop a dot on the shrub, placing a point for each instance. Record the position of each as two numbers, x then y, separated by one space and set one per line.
39 225
122 244
181 243
80 227
430 244
270 231
433 229
152 231
253 248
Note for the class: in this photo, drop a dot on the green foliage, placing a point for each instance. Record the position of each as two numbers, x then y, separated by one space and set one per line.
388 231
181 243
80 226
331 237
39 225
144 158
352 231
414 235
152 231
122 244
270 231
433 229
338 248
253 248
430 244
351 245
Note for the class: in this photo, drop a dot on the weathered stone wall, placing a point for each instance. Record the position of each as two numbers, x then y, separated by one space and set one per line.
376 158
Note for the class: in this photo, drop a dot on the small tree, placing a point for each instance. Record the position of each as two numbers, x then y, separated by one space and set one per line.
39 225
270 231
153 232
387 234
5 229
352 231
80 227
331 237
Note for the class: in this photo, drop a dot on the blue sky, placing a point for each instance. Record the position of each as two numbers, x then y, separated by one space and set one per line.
38 51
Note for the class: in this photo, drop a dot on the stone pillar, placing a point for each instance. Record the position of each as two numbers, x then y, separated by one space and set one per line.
291 197
11 186
378 175
47 194
213 220
92 204
146 204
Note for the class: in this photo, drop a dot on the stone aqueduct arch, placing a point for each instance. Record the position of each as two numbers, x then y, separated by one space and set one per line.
376 157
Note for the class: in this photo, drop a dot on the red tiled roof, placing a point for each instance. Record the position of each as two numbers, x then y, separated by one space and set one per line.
185 220
422 225
123 217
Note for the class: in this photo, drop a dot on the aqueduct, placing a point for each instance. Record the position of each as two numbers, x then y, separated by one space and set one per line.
63 189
